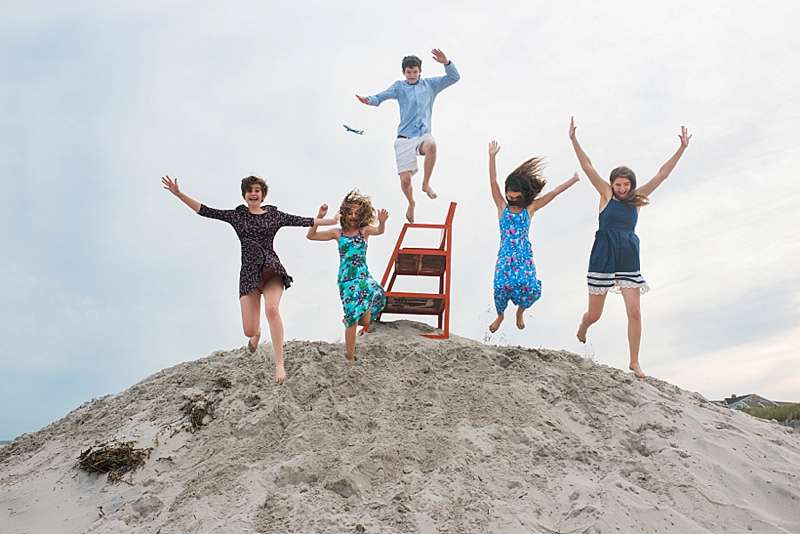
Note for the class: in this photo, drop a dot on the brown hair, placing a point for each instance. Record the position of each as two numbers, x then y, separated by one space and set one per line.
250 181
633 197
527 179
411 62
363 206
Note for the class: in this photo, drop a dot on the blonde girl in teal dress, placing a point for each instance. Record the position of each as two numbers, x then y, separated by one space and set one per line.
362 297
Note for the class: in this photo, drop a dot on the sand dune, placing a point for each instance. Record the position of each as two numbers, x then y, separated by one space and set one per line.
419 436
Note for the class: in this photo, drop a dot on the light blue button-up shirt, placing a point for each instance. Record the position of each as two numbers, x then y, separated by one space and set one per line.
416 100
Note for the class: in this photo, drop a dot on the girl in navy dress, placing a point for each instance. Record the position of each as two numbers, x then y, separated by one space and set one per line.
262 272
614 260
515 272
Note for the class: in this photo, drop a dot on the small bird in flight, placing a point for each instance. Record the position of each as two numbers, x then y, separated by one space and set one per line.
353 130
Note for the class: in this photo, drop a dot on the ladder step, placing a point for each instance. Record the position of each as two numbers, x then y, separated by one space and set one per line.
420 264
419 304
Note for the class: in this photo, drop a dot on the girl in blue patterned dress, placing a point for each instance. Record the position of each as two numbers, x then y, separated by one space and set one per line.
614 260
515 272
362 297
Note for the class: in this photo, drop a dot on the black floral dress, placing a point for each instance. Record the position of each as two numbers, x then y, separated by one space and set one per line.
256 233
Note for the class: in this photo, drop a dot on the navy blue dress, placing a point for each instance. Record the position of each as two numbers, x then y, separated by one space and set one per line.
614 262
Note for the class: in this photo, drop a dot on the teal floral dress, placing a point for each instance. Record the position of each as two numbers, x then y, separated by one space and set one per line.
359 292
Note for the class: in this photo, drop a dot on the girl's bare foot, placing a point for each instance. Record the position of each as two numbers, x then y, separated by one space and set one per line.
637 370
364 330
520 318
429 191
496 324
280 374
581 335
252 343
351 357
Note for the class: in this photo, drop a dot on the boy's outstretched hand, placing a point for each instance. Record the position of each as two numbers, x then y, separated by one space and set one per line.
684 137
362 99
439 56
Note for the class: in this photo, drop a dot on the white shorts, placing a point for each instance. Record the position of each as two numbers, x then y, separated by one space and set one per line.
406 152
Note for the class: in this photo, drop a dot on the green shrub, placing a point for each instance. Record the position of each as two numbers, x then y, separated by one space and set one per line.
787 412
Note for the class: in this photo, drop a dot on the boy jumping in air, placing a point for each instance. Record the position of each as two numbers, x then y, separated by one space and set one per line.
415 95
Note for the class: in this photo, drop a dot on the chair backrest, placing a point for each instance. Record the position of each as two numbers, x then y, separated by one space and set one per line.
448 223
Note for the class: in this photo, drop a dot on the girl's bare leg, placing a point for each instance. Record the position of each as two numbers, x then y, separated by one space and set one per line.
365 322
592 315
273 291
496 323
350 342
631 296
251 304
520 318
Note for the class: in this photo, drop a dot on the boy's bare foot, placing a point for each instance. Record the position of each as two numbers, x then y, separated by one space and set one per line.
252 343
520 318
496 324
280 374
637 370
429 191
581 335
410 213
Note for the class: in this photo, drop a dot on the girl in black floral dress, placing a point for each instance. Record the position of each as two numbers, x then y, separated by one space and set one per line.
262 272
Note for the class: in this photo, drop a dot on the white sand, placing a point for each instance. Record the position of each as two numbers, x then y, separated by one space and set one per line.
419 436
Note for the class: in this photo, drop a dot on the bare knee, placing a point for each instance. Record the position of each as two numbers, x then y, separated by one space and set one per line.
273 312
429 149
405 179
591 317
635 315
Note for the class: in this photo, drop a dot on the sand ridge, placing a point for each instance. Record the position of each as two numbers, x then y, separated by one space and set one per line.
418 436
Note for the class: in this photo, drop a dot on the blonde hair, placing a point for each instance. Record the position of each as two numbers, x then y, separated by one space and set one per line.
363 206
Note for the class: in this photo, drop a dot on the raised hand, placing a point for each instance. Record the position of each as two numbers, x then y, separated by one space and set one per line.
439 56
684 137
170 185
323 210
575 178
382 216
572 128
494 148
362 99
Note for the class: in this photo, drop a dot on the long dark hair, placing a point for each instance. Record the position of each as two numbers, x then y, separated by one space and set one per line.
527 179
633 197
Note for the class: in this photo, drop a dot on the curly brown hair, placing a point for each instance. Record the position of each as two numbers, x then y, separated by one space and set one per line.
633 197
354 200
527 179
249 181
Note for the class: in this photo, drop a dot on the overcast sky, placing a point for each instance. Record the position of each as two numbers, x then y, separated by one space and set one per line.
106 278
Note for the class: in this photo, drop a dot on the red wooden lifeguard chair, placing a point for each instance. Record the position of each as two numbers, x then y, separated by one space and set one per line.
422 262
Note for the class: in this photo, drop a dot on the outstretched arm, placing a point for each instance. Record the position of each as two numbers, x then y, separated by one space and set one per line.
325 235
666 169
497 195
378 230
586 164
172 186
375 100
545 199
451 75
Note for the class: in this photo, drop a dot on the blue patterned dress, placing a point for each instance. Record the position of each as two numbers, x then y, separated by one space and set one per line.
515 273
359 292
